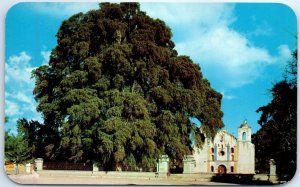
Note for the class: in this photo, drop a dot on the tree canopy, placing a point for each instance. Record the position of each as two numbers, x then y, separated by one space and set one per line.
116 91
16 149
277 138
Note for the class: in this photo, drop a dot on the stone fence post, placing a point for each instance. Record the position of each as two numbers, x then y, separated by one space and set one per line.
28 168
163 164
39 164
272 175
188 164
95 166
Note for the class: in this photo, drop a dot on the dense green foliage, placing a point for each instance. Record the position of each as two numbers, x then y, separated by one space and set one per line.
26 144
115 91
16 149
35 134
277 139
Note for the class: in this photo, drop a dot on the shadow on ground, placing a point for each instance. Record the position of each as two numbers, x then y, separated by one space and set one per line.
239 179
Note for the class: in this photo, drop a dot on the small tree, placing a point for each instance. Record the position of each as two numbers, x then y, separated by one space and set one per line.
16 149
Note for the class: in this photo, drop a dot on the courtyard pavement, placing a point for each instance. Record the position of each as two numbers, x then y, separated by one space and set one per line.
96 180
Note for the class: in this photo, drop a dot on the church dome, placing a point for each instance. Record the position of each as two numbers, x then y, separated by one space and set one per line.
245 125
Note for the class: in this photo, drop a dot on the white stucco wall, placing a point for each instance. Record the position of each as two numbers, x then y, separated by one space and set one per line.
246 157
203 157
222 140
242 159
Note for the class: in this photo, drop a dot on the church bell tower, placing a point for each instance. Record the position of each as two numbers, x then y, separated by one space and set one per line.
244 132
246 150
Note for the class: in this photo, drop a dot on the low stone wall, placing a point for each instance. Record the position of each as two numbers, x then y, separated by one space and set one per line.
21 169
205 177
101 174
64 173
127 174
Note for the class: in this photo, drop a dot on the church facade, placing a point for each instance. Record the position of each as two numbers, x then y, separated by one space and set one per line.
224 154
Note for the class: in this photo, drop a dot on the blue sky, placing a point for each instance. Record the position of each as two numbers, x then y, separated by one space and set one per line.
242 50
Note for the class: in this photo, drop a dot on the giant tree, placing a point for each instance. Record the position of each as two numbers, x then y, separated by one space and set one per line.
116 91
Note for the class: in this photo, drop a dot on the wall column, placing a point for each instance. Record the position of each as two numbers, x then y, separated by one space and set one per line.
272 175
228 152
163 164
39 164
95 166
215 152
189 164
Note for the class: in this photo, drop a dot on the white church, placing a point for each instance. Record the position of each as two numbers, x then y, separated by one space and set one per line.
224 154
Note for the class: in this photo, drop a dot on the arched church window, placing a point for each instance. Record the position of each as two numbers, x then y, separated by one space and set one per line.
232 169
232 150
212 150
244 136
212 168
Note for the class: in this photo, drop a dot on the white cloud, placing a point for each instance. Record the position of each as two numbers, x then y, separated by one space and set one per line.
229 54
284 53
19 100
23 98
224 54
227 97
23 57
190 13
18 69
46 57
12 108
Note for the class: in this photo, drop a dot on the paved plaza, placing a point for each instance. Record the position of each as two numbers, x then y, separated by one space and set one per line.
88 180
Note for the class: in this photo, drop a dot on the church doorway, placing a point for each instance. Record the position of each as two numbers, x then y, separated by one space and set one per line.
222 169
